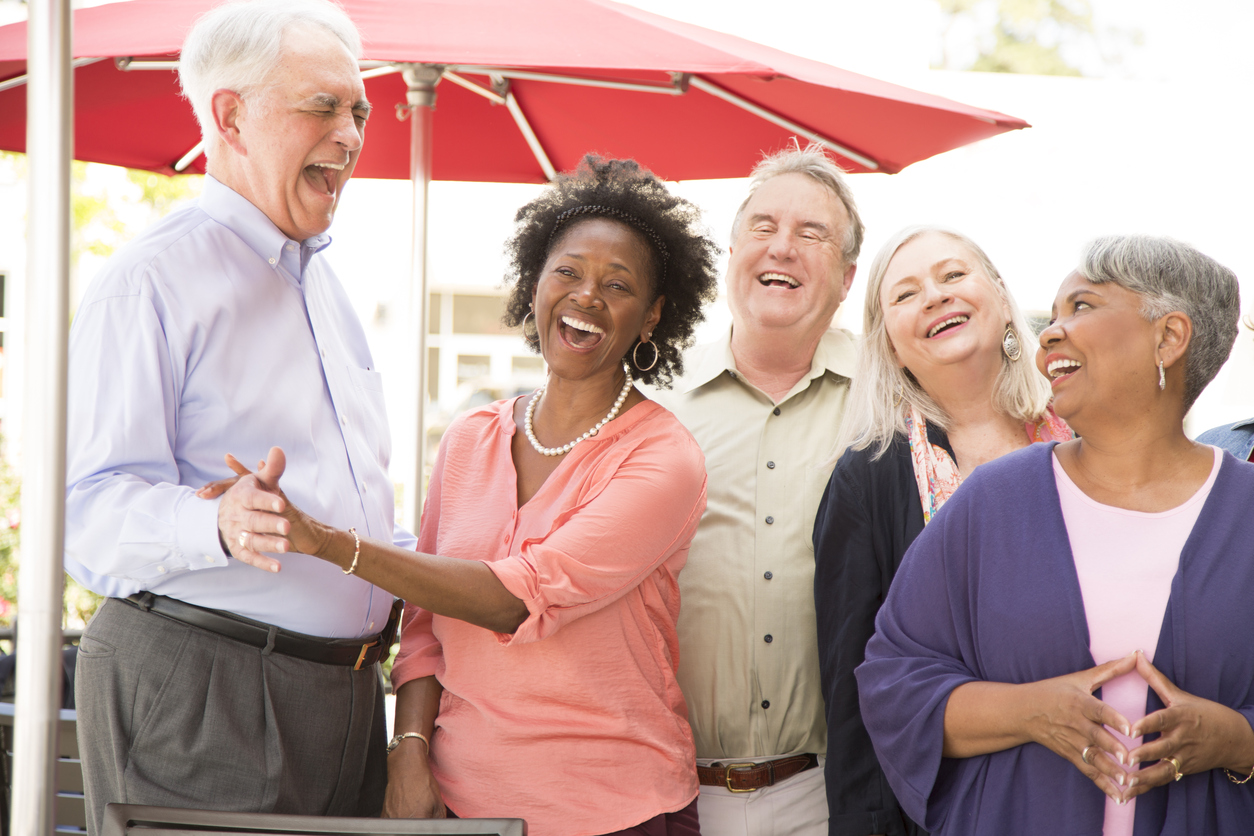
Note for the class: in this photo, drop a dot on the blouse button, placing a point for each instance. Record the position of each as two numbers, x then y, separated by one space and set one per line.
775 411
766 703
770 465
770 520
768 575
768 638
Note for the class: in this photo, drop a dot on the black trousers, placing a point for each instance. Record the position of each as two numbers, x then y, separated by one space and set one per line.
176 716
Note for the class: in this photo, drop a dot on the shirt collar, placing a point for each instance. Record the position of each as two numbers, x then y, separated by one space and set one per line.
235 212
836 353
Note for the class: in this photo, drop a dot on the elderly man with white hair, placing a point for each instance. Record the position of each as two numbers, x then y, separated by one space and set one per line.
216 675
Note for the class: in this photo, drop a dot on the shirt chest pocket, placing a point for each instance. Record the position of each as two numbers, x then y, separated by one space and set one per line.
369 413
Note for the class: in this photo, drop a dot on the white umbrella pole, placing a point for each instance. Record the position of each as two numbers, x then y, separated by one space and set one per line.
49 140
421 80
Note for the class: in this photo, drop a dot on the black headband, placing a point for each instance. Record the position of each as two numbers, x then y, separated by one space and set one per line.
618 215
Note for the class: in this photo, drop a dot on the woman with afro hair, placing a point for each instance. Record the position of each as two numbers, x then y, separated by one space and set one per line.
536 676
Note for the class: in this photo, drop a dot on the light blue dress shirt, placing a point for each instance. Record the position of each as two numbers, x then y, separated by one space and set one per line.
213 333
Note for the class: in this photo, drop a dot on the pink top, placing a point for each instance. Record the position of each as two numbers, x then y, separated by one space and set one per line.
1125 561
575 722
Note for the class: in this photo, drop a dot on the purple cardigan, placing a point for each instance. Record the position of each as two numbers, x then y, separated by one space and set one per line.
989 592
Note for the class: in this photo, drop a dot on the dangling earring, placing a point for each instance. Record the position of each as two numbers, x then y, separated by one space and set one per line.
1010 344
1162 377
534 337
635 359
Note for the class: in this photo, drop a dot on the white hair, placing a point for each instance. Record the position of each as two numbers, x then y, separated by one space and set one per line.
237 45
1171 276
813 162
882 392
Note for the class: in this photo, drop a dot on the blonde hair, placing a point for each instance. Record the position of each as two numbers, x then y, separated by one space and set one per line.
883 393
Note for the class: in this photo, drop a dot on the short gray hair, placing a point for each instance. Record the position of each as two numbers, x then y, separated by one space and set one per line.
813 162
883 392
1171 276
237 45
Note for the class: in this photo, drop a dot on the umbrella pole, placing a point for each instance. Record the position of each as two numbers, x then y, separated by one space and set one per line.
41 577
421 80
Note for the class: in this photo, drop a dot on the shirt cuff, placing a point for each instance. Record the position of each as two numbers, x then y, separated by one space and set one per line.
520 580
196 528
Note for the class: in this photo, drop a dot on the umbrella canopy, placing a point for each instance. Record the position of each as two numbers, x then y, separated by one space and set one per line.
577 75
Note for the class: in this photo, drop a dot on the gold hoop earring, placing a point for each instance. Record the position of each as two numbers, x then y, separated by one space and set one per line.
1010 344
635 360
1162 376
534 337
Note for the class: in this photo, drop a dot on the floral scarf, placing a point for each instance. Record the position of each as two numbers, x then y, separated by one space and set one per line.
937 474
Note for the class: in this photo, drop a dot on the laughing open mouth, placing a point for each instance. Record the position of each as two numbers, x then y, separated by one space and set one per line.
778 280
324 176
579 333
1061 368
952 322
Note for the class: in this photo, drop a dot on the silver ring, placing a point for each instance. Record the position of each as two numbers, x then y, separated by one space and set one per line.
243 539
1084 756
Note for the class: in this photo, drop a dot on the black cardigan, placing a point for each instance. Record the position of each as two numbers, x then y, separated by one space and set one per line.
868 517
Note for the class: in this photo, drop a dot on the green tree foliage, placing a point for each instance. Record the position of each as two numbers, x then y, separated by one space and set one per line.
1018 36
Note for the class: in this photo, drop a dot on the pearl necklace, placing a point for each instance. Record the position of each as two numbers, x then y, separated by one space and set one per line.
559 451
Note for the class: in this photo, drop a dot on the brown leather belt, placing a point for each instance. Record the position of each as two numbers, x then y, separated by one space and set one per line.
355 653
748 776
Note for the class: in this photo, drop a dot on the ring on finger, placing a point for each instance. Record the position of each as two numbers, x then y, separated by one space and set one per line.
1175 764
1084 756
243 539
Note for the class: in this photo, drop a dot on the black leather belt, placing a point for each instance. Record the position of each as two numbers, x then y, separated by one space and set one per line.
354 653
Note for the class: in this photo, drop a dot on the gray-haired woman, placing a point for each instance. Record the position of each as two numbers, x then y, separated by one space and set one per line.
943 385
1120 560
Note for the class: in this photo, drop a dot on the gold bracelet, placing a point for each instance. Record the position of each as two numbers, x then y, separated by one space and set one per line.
396 741
356 552
1233 778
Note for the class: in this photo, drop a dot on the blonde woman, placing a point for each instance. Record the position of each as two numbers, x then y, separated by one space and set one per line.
945 382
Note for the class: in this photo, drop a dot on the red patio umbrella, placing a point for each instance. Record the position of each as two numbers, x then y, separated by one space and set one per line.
584 74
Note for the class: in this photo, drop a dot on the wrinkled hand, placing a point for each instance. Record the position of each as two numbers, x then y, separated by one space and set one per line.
296 531
1072 720
1202 734
412 791
250 517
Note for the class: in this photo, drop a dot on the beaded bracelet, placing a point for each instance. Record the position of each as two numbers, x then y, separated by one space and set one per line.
1234 780
356 552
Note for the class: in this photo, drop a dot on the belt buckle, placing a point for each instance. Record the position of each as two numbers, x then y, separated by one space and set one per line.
361 657
732 766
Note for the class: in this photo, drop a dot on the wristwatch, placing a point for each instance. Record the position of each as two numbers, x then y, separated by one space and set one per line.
396 741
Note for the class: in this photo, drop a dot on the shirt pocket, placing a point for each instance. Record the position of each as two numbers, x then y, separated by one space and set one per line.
371 413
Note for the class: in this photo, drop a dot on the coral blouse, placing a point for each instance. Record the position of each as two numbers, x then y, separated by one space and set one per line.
575 722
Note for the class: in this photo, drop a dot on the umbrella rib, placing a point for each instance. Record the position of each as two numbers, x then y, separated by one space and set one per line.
773 117
475 88
190 156
524 75
533 142
19 80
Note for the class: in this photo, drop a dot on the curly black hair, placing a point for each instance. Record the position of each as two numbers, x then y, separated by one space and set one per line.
683 253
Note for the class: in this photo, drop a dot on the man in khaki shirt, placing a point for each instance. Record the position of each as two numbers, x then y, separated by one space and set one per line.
765 404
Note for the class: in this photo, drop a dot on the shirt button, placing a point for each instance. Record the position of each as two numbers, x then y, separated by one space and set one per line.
371 627
766 703
770 465
208 558
768 575
770 520
775 411
272 261
363 487
160 570
733 374
290 246
768 638
343 421
323 353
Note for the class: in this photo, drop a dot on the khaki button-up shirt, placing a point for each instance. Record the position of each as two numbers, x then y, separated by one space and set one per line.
748 659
